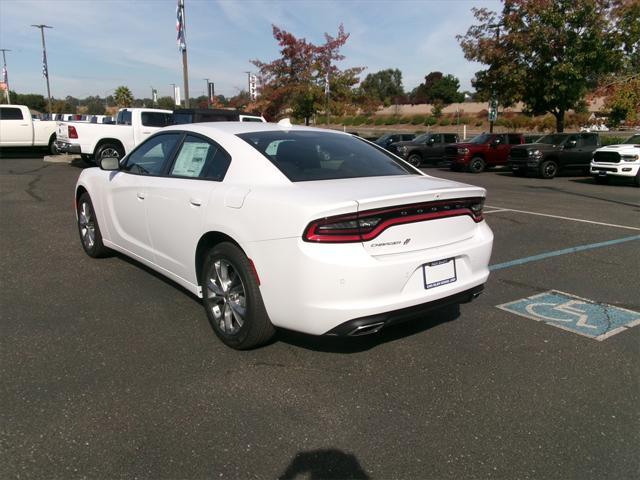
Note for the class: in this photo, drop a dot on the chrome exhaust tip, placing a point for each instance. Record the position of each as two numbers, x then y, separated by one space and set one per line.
366 329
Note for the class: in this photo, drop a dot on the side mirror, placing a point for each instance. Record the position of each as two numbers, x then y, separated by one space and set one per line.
110 163
571 144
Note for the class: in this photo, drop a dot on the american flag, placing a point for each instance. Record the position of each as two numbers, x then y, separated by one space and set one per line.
180 27
44 66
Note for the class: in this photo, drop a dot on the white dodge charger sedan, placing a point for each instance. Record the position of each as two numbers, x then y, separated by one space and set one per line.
274 225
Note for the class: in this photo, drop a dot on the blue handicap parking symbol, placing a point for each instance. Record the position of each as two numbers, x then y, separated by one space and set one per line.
578 315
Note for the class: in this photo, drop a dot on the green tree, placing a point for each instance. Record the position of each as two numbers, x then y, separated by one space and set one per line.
94 105
548 54
31 100
123 96
296 80
438 89
623 100
384 85
166 103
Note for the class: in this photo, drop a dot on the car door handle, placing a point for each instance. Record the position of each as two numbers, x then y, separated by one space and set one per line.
24 124
146 132
196 202
141 195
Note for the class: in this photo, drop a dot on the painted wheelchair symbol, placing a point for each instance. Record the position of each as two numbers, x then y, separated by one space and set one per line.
580 317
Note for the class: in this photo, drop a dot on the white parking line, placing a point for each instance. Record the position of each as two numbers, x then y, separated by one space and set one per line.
501 209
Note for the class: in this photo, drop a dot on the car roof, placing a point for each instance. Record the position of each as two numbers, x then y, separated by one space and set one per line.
235 128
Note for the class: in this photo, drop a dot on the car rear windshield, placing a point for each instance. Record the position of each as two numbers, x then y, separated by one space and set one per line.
309 155
634 139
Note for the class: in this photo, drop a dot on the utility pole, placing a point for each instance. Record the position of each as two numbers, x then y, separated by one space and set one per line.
182 44
45 67
493 102
5 74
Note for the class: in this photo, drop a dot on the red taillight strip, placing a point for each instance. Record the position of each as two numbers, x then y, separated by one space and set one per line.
358 235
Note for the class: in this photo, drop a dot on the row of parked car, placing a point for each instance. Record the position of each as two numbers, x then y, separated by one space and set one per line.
544 156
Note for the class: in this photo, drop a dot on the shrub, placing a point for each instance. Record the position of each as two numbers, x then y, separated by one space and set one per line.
611 140
430 121
444 121
359 120
479 124
379 120
391 120
417 120
404 119
347 121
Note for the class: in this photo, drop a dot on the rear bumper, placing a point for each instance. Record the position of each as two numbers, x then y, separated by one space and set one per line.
374 323
66 147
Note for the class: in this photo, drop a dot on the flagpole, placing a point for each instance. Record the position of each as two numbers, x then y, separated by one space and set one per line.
5 74
183 47
44 63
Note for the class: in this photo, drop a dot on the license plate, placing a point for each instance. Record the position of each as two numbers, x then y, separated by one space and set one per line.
439 273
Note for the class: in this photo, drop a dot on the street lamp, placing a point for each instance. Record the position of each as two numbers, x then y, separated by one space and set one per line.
5 74
45 68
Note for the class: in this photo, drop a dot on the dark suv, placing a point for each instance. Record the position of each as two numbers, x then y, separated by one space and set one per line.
426 148
483 151
388 139
553 153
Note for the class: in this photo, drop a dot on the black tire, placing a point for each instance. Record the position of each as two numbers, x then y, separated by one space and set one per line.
601 180
53 150
415 159
548 169
636 180
89 230
477 165
240 301
108 150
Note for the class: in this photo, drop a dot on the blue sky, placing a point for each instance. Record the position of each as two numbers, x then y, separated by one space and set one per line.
97 45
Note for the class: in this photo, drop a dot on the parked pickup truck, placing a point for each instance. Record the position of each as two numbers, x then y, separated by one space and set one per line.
425 148
553 153
483 151
621 160
96 140
199 115
19 129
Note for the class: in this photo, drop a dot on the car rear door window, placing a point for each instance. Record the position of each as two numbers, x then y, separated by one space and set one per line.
11 114
200 158
156 119
450 138
589 140
514 139
150 156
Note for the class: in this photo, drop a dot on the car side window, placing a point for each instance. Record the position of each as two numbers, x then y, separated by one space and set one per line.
10 114
156 119
514 139
150 157
450 138
200 158
589 140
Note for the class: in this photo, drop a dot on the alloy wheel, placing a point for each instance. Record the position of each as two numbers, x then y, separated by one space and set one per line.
226 296
87 226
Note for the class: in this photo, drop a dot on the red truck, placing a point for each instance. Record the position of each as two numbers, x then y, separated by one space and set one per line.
483 151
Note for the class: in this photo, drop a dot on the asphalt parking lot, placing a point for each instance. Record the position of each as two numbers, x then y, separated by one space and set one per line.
110 371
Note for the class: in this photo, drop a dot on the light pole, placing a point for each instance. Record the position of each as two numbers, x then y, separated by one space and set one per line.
5 74
45 68
174 92
493 103
207 93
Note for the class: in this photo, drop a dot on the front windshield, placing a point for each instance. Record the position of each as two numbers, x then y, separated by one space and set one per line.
421 138
634 139
482 138
552 139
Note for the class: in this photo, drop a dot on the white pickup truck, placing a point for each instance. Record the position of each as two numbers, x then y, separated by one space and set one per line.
19 129
96 140
622 160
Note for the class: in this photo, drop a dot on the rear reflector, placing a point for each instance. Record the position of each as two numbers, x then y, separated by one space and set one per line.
367 225
72 132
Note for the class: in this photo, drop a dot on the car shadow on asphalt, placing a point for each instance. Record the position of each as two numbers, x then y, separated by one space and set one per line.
348 345
330 344
595 197
14 153
323 464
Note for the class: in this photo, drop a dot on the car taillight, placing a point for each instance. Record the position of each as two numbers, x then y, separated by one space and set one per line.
367 225
72 132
